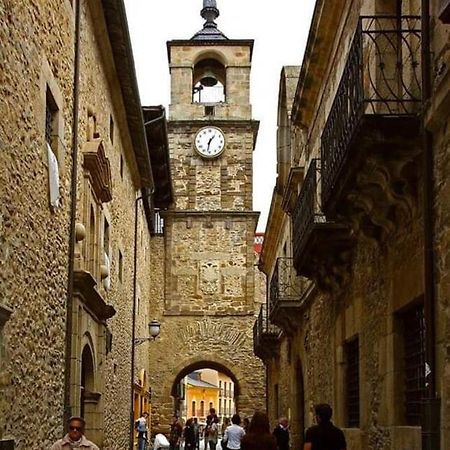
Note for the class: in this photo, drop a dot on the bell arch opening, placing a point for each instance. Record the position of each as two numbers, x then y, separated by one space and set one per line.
209 81
203 385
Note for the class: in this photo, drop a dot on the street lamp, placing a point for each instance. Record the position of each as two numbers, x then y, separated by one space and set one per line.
154 328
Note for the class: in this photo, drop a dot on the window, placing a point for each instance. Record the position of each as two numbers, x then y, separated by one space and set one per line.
352 383
51 131
220 388
413 326
209 111
120 266
229 408
220 406
202 408
92 243
211 405
225 389
121 167
111 129
106 253
194 412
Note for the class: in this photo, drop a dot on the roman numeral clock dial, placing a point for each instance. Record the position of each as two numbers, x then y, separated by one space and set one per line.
209 142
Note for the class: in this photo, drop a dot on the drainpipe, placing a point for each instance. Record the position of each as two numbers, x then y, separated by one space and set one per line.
431 403
73 210
147 194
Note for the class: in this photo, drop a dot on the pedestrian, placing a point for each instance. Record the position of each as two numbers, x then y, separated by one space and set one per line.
176 431
189 435
141 427
324 435
281 433
259 436
75 437
245 424
196 426
212 417
234 434
211 435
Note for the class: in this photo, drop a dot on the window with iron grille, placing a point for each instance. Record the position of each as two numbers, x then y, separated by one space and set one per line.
352 382
413 324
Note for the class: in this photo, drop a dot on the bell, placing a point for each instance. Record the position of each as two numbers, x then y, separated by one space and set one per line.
208 79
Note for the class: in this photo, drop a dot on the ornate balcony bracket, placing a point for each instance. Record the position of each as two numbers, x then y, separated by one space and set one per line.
328 256
381 196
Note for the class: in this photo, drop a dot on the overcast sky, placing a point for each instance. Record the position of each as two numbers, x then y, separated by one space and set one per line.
280 30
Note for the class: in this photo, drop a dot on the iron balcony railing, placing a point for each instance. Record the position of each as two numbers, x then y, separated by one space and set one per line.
285 284
308 211
263 327
381 77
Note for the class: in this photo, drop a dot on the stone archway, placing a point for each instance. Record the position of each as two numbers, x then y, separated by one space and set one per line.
199 364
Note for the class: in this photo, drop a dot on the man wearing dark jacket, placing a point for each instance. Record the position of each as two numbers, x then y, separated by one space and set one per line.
281 434
324 435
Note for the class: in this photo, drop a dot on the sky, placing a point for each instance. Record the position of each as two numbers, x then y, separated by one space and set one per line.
280 30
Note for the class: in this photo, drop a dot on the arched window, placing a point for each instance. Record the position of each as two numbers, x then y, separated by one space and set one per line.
202 408
209 82
194 412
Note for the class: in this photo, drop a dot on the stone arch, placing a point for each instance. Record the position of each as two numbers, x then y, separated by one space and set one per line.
205 361
211 54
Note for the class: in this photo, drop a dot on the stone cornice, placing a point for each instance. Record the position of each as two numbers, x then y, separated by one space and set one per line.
84 286
324 26
217 213
210 43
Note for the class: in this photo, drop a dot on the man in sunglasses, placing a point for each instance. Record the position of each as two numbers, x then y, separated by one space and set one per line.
75 437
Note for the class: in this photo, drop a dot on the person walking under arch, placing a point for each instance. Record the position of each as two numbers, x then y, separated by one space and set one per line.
189 435
324 435
234 434
281 433
259 436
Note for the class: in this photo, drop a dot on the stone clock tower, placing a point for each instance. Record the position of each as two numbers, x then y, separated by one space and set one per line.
209 302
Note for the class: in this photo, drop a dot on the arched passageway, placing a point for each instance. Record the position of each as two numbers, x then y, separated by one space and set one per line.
203 385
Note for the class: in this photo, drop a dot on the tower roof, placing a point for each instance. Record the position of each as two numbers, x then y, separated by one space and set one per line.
209 32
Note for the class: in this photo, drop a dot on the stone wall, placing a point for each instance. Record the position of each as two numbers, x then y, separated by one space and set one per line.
384 279
33 239
37 54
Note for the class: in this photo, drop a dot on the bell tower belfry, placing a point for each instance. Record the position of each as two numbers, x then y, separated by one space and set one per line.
209 281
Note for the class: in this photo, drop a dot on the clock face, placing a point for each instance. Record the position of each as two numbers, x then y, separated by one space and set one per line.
209 142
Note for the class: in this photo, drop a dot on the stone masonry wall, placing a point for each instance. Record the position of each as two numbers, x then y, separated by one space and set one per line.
33 239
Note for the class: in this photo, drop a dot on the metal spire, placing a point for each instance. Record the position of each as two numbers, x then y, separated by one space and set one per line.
210 13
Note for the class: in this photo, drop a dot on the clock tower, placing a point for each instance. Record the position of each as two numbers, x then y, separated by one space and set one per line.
209 282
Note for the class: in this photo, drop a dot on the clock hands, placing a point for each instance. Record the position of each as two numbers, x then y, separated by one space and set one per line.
209 142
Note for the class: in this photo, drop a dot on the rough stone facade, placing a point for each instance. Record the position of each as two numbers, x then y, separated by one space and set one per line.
37 82
206 298
383 279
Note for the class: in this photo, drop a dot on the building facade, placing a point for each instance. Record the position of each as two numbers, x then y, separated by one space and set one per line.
206 294
75 160
355 247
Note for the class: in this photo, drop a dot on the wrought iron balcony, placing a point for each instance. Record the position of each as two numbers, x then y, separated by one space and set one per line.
374 116
265 336
320 246
287 293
